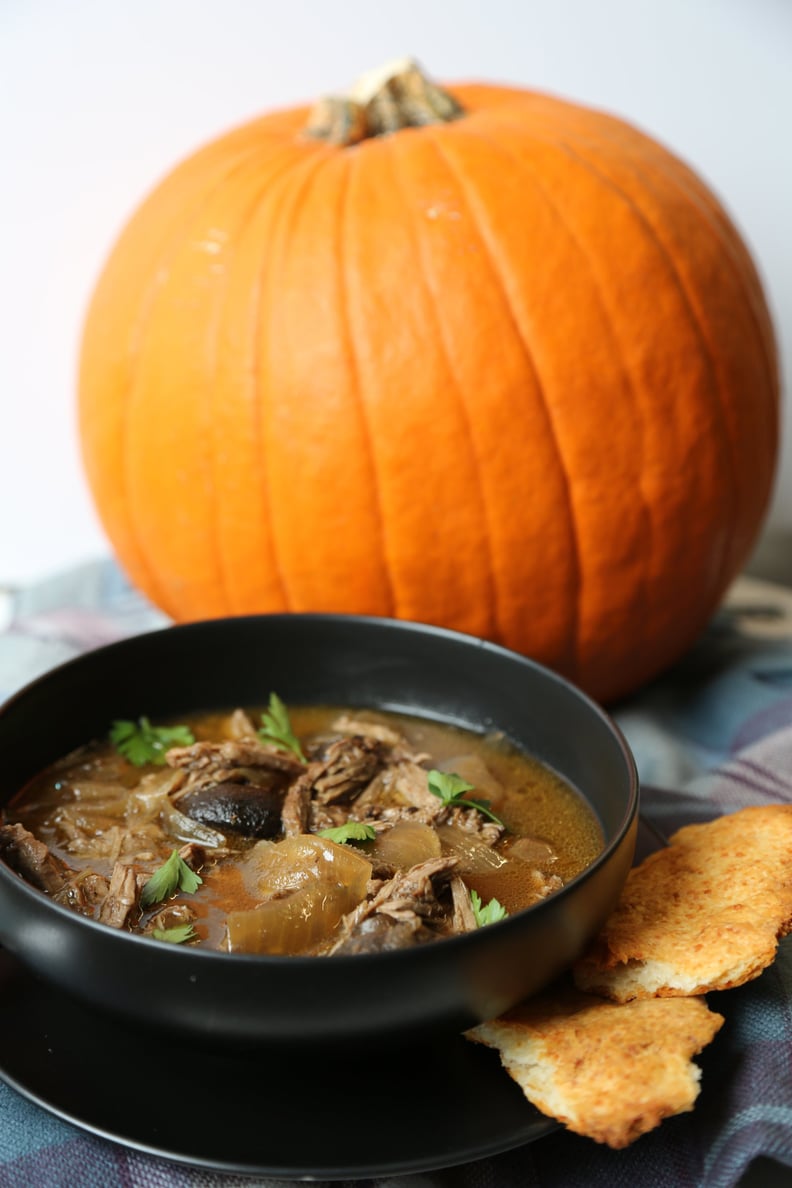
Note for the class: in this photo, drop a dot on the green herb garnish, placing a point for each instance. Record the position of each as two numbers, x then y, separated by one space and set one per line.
172 875
276 728
140 742
353 831
176 935
451 789
489 913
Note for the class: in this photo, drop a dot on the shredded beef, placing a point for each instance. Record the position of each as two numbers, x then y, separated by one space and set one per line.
171 916
31 859
472 821
244 752
83 891
409 899
296 810
379 934
413 891
464 917
126 883
408 780
91 887
348 766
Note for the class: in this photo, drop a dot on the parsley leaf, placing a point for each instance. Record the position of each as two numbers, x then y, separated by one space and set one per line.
451 789
176 935
172 875
448 786
276 728
140 742
350 832
489 913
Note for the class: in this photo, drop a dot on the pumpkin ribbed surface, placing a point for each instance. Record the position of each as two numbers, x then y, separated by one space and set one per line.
512 374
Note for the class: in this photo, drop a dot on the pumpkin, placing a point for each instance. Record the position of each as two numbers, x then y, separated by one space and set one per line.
473 356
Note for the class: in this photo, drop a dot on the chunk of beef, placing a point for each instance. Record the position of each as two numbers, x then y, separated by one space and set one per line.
318 799
31 859
83 892
347 767
413 891
380 934
92 887
408 899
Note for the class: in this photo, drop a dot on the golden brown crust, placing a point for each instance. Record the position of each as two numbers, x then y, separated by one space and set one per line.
705 913
607 1071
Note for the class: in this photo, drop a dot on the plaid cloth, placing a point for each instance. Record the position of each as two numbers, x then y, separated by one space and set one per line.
710 736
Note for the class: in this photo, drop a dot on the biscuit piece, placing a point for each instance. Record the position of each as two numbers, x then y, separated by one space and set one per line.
609 1072
704 913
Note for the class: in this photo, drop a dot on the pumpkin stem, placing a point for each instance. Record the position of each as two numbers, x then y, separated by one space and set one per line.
397 95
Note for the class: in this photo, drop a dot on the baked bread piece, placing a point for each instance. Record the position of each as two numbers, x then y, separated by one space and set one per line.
607 1071
704 913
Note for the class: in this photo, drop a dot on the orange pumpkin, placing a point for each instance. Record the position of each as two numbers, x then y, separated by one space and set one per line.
511 372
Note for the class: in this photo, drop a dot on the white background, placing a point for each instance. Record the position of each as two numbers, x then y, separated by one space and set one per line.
99 98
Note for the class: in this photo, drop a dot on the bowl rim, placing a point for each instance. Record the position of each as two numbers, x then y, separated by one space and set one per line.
409 626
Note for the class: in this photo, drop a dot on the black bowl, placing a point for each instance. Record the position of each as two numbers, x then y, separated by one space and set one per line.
448 985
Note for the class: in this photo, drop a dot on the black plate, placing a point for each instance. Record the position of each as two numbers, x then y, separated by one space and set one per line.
326 1115
333 1116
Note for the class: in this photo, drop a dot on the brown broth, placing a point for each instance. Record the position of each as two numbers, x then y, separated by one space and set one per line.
91 789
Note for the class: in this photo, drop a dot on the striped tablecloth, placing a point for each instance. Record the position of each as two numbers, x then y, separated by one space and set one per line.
712 735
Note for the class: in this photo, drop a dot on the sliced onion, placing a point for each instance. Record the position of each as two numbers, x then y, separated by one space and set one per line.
405 845
98 792
312 882
273 867
475 856
298 921
473 769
